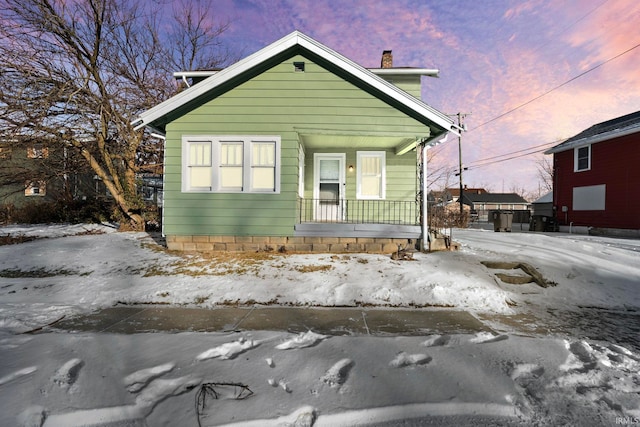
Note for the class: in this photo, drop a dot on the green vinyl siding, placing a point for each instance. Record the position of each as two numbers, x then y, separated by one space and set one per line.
280 102
409 84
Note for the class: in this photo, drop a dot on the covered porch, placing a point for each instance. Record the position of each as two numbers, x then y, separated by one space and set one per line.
359 184
397 219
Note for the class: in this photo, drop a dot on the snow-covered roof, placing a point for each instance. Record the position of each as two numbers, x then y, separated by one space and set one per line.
547 198
615 128
494 197
296 42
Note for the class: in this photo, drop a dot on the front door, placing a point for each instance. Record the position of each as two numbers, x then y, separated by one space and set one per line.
328 186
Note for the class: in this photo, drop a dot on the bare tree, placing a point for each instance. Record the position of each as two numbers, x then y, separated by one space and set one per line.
76 73
545 173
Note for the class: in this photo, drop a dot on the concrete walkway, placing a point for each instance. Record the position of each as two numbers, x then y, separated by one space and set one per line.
328 321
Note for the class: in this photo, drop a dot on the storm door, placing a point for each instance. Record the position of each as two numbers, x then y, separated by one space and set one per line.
328 189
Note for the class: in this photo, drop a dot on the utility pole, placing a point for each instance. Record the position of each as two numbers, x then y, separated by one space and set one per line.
462 126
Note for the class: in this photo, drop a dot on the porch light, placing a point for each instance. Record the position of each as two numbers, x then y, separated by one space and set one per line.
351 168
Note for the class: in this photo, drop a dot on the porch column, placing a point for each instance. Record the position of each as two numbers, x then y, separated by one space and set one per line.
425 202
426 144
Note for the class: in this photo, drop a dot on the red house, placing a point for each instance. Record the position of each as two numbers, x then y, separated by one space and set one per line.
597 177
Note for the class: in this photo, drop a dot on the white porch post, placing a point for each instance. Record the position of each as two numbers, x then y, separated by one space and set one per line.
425 216
426 144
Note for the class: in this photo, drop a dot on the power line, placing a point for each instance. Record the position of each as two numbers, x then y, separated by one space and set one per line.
555 88
504 160
471 164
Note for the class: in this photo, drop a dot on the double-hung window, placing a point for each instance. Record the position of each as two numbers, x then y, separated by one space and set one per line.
263 166
370 181
582 158
199 176
230 164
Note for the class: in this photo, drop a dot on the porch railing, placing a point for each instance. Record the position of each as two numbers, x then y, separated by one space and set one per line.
358 211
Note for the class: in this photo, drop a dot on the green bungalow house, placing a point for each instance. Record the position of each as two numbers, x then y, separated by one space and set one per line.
296 148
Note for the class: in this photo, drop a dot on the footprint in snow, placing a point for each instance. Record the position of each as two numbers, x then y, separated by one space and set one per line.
156 392
403 360
338 373
581 357
68 373
487 337
583 351
228 350
139 379
436 340
526 370
306 339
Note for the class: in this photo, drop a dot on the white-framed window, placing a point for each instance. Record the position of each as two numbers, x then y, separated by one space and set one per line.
199 174
582 158
231 164
35 188
370 174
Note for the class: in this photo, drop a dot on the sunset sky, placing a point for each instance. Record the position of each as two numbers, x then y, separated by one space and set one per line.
580 58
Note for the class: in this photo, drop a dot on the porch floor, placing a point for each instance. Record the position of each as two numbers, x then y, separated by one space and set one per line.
337 229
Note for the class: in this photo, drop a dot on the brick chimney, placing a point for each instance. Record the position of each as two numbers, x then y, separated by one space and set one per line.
387 59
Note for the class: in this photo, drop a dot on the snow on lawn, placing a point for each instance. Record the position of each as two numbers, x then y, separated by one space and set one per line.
47 278
267 378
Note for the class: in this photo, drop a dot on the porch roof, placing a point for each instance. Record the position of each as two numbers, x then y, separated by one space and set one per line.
325 138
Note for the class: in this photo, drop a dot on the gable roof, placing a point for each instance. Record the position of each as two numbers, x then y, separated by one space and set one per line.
157 117
600 132
547 198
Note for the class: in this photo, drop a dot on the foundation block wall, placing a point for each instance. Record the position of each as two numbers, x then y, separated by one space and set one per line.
288 244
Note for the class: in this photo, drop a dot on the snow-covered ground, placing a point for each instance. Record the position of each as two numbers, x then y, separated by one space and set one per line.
546 363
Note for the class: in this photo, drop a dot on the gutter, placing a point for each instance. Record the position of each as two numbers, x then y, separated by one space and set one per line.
429 72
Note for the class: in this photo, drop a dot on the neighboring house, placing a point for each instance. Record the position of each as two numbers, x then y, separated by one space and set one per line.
33 173
25 174
295 147
455 192
596 176
449 195
483 203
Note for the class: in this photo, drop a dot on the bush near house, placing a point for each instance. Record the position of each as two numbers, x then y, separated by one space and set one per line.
56 211
441 217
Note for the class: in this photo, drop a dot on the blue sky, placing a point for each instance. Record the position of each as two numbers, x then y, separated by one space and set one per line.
494 56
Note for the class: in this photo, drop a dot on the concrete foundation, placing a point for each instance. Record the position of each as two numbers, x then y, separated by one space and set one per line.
286 244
